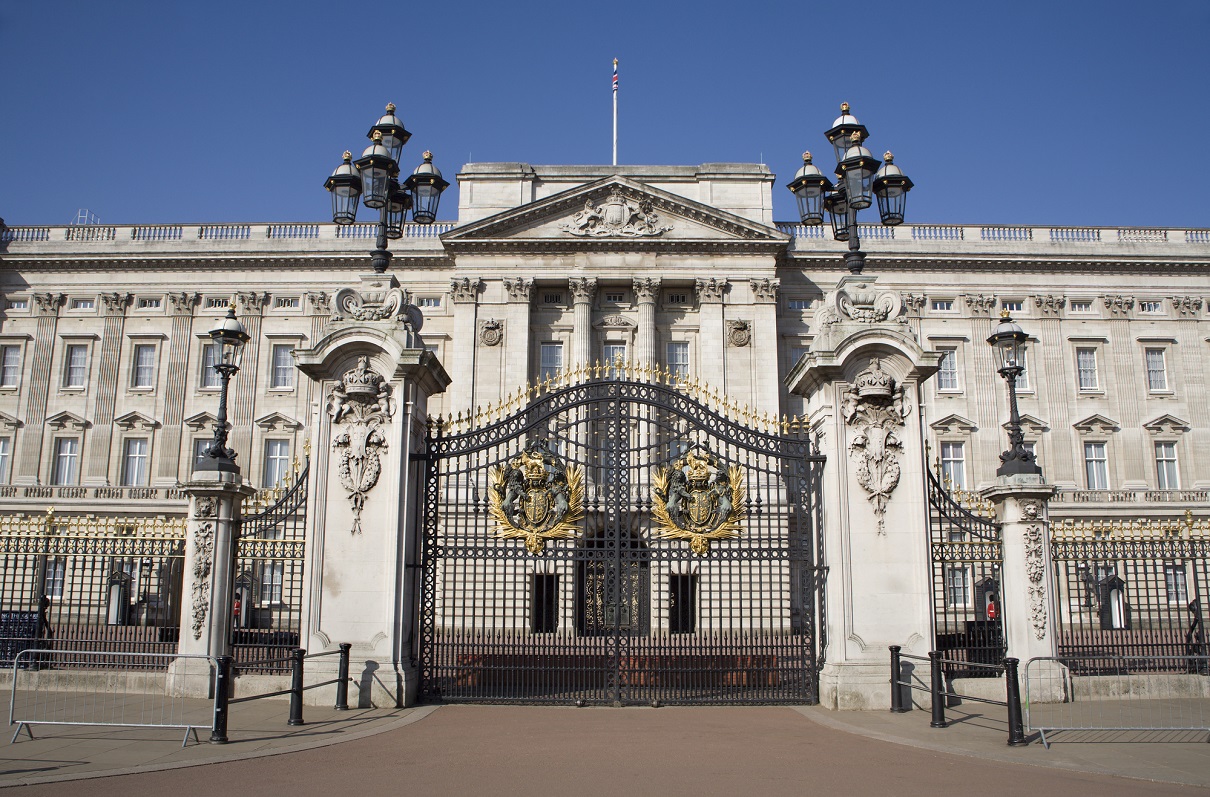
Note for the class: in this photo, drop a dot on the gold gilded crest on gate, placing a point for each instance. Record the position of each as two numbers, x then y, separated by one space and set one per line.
536 497
699 498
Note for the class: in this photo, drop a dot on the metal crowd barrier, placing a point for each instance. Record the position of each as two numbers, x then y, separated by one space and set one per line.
226 670
939 694
1127 693
98 688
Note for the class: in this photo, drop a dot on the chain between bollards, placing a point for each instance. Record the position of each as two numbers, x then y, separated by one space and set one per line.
296 686
342 678
937 687
222 693
1012 691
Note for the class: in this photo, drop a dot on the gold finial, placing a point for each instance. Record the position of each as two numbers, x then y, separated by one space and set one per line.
390 107
844 107
856 138
428 156
377 137
347 157
1004 316
307 447
806 157
888 156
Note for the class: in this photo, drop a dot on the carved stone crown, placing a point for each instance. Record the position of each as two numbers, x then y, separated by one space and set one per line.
361 382
874 383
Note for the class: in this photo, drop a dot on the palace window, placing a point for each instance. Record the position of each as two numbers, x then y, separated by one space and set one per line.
947 370
1096 466
83 304
615 296
142 371
682 603
957 586
429 301
1176 584
550 361
943 305
56 576
1081 306
676 298
1157 373
210 377
1023 377
287 303
200 446
678 358
5 455
1151 307
798 304
66 466
134 462
148 303
1012 305
283 367
10 366
953 464
614 354
17 304
552 297
217 303
277 462
272 575
75 365
1166 473
1086 368
544 603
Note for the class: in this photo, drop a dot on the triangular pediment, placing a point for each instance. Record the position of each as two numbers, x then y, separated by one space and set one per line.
614 213
203 420
136 420
1031 424
954 424
1167 424
8 422
275 421
1097 423
67 420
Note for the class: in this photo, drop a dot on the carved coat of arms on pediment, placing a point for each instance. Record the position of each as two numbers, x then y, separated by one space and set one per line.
616 216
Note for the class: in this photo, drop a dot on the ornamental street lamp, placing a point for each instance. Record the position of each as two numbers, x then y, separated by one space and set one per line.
373 179
858 177
1008 342
229 338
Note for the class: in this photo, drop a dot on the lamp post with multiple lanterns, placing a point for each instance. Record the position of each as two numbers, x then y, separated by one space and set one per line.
373 179
1008 342
859 176
229 338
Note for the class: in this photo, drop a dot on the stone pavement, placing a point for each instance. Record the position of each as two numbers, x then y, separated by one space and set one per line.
556 750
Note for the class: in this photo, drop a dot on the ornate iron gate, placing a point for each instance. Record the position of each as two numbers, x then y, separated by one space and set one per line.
269 554
619 541
967 554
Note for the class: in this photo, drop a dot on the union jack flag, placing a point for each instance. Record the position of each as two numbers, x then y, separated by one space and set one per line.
615 75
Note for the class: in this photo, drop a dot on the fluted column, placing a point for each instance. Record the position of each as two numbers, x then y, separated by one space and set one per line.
766 384
46 307
168 452
1122 367
1189 359
646 289
464 293
712 335
520 293
96 464
583 291
1058 457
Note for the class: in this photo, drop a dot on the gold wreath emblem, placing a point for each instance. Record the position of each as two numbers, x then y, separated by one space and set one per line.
532 493
699 535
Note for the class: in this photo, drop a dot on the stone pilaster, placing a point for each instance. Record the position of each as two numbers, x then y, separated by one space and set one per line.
46 308
713 336
1127 372
176 377
464 293
766 389
96 462
1049 357
244 385
520 293
646 289
1189 359
583 291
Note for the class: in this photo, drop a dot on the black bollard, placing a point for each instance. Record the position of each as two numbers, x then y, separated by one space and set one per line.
1012 688
296 686
342 678
222 693
896 687
937 687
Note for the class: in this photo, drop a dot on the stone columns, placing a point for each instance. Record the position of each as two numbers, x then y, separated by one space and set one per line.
1027 580
250 309
646 289
765 390
712 335
583 290
363 546
520 293
96 464
175 378
29 456
464 293
215 499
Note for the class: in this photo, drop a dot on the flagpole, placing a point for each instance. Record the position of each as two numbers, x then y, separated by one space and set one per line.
615 112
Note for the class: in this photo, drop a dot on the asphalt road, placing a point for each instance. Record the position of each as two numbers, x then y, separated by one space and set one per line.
505 750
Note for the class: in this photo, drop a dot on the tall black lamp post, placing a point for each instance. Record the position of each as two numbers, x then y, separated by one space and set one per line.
1008 341
229 337
858 176
373 178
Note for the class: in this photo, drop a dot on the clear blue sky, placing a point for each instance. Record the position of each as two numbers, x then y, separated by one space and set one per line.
1063 113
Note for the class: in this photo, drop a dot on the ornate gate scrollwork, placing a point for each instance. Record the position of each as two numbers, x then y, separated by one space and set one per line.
537 497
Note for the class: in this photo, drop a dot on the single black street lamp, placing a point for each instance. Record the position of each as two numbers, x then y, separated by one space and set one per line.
374 179
859 176
229 338
1008 341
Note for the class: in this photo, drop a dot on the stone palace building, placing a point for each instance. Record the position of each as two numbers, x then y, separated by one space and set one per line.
108 397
